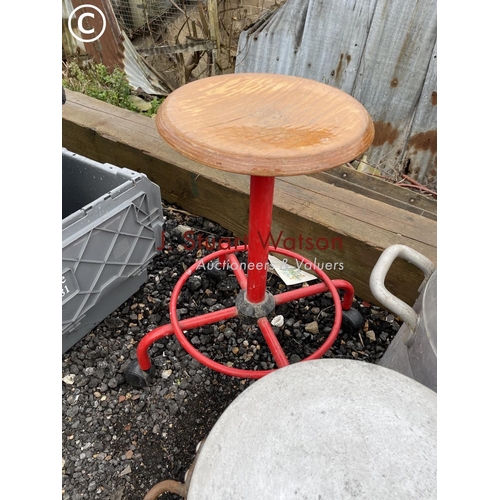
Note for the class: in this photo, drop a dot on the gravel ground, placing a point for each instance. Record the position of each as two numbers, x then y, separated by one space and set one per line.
119 441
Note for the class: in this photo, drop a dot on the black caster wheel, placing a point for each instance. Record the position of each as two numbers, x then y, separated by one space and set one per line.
352 321
137 377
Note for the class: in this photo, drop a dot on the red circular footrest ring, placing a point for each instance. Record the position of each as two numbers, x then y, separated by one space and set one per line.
237 372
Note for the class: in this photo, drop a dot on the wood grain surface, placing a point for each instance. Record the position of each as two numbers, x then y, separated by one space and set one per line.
265 125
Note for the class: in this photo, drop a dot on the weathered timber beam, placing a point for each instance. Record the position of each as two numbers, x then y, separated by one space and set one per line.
195 46
379 189
304 207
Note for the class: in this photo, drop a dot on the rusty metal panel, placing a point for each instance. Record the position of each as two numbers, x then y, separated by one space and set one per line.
392 74
421 151
379 51
317 39
108 49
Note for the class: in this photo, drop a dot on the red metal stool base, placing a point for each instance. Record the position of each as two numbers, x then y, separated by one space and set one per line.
230 261
265 126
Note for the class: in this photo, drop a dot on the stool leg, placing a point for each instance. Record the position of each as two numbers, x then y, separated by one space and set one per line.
259 228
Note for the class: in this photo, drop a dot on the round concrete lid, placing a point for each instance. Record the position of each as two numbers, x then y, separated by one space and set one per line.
323 430
429 311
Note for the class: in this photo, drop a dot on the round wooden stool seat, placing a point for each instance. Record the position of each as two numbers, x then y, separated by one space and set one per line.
264 124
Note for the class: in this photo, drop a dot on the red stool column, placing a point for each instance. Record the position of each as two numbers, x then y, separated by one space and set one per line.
260 220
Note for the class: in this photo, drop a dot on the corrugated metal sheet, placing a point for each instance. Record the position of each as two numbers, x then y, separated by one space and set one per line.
139 74
380 51
113 49
422 142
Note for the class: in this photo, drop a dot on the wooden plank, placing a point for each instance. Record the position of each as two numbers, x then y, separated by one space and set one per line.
191 46
358 237
379 189
375 221
302 208
392 73
213 23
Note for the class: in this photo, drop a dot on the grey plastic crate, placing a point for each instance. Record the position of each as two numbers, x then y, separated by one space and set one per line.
112 226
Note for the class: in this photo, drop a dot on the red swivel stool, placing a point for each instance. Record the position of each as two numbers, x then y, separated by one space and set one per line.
264 126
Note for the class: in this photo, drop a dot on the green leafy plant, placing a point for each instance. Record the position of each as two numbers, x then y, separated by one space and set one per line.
96 81
155 104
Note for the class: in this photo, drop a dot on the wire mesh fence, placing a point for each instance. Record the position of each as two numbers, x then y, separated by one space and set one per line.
184 40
